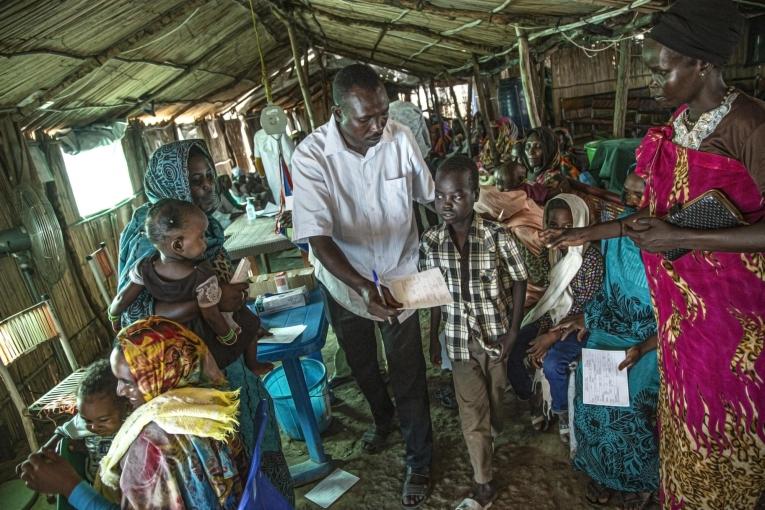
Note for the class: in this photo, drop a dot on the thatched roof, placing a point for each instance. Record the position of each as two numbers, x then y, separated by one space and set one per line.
73 62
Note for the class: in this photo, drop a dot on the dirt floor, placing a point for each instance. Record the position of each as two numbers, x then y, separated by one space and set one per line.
531 468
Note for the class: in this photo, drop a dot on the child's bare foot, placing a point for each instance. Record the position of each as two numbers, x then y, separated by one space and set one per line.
261 368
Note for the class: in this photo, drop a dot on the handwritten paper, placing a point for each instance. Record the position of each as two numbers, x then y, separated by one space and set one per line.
283 335
603 383
421 290
331 488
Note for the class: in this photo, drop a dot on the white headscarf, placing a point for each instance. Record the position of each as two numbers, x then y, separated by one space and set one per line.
558 297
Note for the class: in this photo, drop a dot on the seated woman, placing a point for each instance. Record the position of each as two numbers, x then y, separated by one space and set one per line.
179 448
184 170
510 204
575 277
617 446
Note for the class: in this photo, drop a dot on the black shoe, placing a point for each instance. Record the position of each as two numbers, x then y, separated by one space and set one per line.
336 382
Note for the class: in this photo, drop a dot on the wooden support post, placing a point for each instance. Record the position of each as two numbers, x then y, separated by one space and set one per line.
622 87
524 63
437 108
469 115
483 104
459 116
298 71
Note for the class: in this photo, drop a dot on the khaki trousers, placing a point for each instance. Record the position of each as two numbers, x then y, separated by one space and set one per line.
479 385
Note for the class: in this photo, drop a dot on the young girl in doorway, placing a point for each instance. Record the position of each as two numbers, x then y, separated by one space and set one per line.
178 272
576 275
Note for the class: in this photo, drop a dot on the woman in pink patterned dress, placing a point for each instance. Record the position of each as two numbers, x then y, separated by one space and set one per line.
710 303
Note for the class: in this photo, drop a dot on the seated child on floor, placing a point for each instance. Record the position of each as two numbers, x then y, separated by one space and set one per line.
178 272
100 414
487 279
576 275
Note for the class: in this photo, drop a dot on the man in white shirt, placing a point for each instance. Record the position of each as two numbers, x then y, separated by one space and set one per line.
356 178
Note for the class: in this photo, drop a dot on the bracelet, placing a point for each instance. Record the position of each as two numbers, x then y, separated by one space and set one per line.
229 338
112 318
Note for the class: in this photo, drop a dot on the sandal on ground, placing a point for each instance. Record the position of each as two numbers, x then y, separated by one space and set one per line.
635 500
445 396
597 494
373 440
563 430
416 486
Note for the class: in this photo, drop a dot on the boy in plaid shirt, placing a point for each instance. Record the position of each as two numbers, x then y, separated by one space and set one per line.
486 276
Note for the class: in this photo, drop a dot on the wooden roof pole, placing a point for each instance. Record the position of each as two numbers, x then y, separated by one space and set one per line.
161 23
622 87
524 64
483 104
459 117
298 67
436 107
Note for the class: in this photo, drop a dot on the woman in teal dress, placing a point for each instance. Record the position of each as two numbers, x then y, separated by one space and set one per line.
617 446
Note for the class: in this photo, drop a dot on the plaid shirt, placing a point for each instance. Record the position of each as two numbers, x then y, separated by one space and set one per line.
480 285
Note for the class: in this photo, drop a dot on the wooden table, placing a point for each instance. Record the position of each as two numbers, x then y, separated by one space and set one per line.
255 239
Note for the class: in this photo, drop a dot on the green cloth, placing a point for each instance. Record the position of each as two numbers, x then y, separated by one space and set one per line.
613 160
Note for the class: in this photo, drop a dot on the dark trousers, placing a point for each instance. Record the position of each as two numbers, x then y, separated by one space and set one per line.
406 366
554 366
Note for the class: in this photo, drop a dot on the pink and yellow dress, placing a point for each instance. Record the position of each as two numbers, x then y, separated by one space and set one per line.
710 309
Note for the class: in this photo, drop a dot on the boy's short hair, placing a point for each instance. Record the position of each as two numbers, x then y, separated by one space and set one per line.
354 75
461 164
98 380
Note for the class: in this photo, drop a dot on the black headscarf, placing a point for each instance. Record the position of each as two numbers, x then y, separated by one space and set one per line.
708 30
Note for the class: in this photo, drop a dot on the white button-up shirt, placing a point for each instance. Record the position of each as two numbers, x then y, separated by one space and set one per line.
364 203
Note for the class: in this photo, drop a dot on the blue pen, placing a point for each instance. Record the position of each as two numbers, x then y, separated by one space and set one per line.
380 292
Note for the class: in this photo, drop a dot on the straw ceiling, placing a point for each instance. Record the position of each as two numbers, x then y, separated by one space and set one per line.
73 62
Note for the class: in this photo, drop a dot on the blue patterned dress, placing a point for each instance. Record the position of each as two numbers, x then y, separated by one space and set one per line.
617 446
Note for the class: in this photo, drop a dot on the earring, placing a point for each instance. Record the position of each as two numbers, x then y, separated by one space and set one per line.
702 74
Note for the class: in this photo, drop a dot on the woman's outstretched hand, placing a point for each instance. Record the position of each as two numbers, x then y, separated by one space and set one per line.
653 234
562 237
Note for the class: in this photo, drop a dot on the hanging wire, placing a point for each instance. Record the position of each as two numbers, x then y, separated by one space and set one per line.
263 70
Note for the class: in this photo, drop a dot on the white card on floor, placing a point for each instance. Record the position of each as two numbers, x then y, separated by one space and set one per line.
331 488
421 290
283 335
602 382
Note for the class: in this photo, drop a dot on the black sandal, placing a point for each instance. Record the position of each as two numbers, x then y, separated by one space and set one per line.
597 494
373 440
416 485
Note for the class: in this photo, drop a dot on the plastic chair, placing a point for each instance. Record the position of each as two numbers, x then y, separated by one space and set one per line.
259 492
102 266
22 333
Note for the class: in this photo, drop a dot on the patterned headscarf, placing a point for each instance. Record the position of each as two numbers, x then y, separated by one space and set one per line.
167 176
178 377
163 355
550 150
168 173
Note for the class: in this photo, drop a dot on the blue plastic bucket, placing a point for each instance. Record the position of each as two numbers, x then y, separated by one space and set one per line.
318 391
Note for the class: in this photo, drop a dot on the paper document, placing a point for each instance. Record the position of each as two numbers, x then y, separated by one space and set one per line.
331 488
603 383
283 335
269 210
421 290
